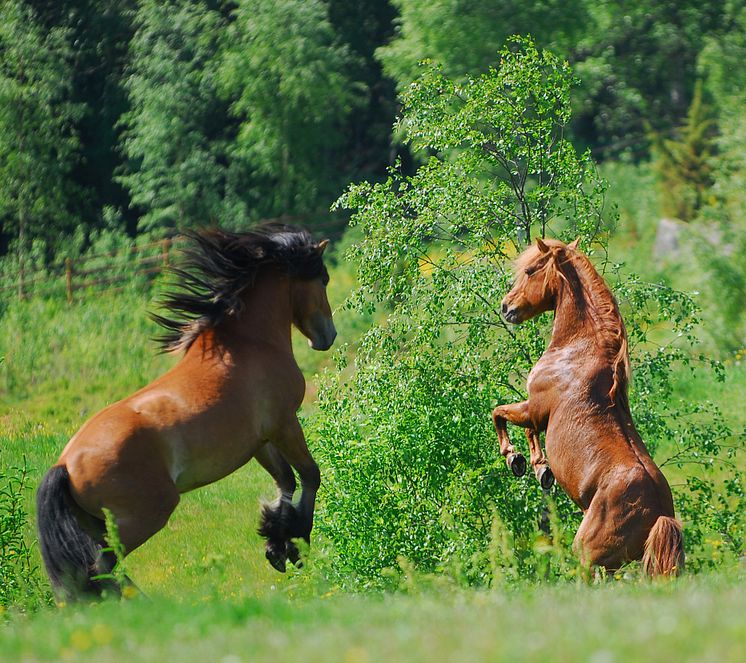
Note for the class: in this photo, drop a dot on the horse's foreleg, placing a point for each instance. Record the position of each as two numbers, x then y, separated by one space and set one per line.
538 460
276 518
516 413
292 444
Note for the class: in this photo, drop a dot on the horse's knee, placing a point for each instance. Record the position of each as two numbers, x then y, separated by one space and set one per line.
286 482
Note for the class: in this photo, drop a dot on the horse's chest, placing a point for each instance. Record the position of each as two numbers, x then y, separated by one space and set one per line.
554 372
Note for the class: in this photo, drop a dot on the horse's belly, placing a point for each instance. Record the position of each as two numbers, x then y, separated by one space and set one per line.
193 465
190 475
571 466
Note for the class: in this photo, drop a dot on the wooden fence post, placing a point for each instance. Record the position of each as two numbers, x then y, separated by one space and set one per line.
21 283
69 279
165 248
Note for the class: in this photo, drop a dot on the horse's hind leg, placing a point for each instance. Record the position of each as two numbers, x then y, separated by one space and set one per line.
276 517
538 460
107 559
597 541
140 499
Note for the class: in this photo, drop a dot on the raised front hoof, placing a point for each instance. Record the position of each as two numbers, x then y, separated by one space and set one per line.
276 555
545 477
517 464
294 555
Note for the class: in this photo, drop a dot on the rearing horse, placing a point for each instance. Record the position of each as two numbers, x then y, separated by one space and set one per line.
233 396
578 395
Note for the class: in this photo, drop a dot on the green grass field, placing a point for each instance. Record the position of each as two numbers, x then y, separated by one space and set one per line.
694 619
212 596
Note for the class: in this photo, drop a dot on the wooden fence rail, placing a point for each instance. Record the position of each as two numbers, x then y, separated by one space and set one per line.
107 269
95 271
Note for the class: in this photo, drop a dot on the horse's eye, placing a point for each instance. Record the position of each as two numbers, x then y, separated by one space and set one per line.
530 271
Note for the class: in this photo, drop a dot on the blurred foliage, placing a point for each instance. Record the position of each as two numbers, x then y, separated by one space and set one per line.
185 113
637 63
191 113
465 36
171 133
636 60
723 217
286 78
38 139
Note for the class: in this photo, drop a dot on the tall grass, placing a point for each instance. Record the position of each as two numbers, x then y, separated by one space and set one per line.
64 361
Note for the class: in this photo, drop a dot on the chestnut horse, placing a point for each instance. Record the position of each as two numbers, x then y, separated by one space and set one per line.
577 393
233 396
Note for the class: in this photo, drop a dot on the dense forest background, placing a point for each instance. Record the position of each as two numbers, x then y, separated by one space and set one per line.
134 117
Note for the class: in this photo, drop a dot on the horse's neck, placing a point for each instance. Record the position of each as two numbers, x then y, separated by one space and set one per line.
585 312
571 323
266 315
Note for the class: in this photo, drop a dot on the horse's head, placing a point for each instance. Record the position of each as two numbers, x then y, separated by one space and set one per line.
536 281
312 314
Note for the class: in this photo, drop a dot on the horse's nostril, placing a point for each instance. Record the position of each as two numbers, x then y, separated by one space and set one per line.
505 307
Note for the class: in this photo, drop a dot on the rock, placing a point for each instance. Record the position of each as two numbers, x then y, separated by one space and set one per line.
667 238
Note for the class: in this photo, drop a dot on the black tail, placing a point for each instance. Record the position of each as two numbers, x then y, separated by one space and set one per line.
70 554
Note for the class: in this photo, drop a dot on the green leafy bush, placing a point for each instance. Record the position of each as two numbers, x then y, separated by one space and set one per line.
20 580
413 473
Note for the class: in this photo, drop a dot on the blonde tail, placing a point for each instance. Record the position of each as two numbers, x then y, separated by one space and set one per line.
664 548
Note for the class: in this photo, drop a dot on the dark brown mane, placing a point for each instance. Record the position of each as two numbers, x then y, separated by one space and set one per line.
220 266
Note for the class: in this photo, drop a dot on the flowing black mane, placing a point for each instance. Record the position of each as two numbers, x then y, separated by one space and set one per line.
220 266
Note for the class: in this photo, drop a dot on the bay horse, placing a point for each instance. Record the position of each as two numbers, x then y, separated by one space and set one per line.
231 397
577 393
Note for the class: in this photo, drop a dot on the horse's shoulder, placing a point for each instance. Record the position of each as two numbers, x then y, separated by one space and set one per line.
560 365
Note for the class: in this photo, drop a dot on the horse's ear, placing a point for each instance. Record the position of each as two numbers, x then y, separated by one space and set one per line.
574 244
321 246
542 246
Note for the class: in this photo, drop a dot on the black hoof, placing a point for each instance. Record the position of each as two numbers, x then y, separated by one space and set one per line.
276 555
546 478
517 464
294 555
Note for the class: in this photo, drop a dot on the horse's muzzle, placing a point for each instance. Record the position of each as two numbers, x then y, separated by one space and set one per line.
324 338
511 314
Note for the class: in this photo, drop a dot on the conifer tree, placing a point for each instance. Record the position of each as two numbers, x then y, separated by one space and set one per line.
684 164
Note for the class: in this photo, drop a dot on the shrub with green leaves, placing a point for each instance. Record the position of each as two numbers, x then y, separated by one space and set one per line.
412 468
20 581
